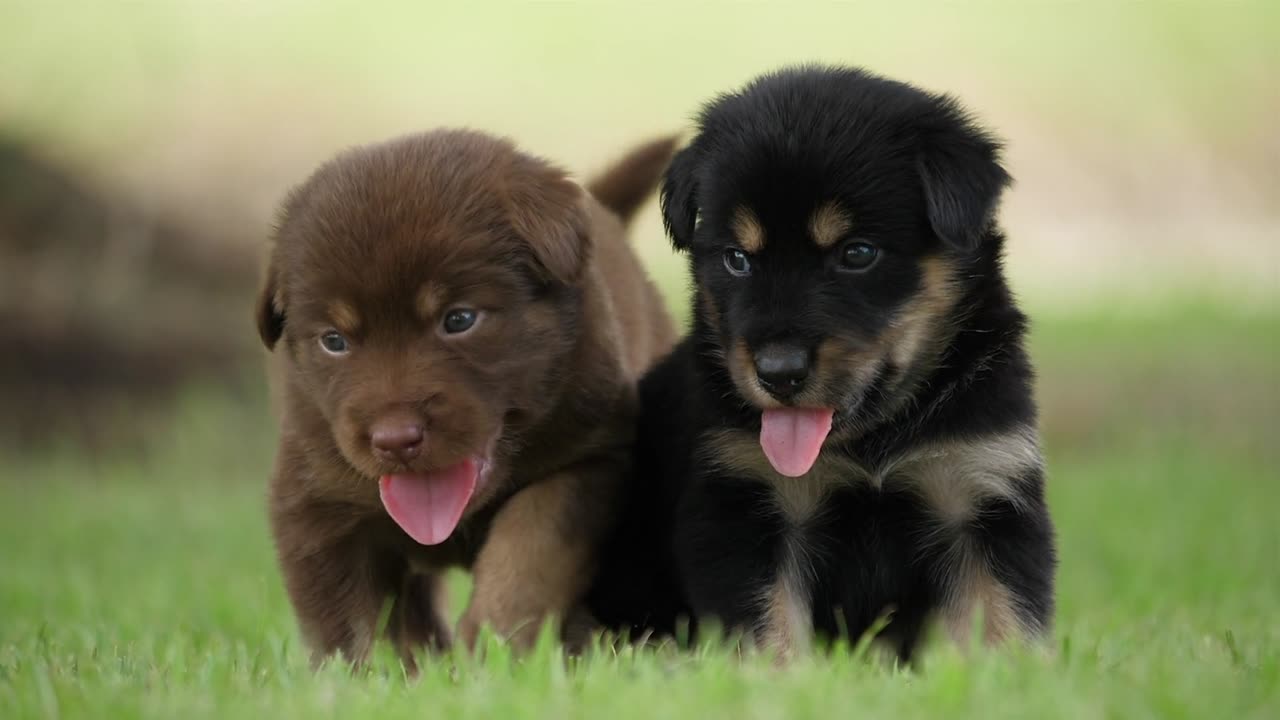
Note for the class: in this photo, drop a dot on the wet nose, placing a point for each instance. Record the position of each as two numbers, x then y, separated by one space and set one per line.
396 441
782 369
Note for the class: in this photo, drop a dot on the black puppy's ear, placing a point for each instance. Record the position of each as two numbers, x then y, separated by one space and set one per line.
270 308
959 165
679 198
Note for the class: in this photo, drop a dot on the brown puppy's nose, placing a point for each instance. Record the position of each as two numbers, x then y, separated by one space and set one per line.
396 441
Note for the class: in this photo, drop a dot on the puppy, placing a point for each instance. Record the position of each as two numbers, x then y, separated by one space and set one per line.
457 329
848 433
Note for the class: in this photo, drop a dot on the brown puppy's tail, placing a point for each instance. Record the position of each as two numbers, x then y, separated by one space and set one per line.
625 186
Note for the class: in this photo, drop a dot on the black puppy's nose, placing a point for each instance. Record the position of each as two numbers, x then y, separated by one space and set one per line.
782 369
396 441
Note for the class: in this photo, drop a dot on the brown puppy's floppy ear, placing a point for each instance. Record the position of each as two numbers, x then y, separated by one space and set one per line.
679 199
546 210
959 165
270 309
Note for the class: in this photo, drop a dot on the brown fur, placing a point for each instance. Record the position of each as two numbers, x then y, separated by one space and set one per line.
383 241
625 186
346 318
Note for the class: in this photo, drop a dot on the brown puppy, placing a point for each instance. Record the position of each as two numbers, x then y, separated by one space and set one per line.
458 330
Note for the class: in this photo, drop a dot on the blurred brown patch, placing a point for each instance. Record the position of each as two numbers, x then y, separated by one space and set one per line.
1096 405
113 308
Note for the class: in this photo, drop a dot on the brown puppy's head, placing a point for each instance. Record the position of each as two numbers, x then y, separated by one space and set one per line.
425 291
833 220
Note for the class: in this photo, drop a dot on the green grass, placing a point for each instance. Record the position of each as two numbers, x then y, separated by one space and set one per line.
145 586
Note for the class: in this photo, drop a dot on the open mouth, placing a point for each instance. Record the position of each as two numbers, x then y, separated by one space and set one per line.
792 437
428 506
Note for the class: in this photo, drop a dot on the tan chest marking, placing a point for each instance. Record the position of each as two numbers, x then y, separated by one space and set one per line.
951 478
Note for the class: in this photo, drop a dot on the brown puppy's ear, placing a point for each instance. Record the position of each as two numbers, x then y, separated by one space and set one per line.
959 166
546 210
270 309
679 199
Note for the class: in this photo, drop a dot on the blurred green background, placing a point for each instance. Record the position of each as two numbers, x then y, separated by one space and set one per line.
145 145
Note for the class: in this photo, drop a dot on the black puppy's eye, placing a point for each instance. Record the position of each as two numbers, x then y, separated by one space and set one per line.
460 320
333 343
858 255
737 262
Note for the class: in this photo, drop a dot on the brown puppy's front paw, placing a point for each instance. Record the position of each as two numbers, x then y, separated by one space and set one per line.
468 632
337 617
538 558
417 619
518 631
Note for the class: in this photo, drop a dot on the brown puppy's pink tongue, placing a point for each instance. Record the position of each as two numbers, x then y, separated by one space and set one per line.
792 437
428 507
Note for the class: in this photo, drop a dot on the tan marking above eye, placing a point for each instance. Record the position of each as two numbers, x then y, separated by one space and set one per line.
344 316
747 230
430 301
828 224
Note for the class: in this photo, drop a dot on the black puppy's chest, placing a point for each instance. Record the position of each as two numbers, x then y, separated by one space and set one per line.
840 549
858 557
855 543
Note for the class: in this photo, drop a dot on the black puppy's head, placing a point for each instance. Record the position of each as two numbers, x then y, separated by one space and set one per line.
831 217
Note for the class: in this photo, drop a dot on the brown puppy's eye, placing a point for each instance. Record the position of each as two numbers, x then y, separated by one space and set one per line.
333 343
460 320
737 262
858 255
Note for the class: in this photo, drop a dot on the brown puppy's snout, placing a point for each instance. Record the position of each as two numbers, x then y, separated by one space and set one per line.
782 368
396 439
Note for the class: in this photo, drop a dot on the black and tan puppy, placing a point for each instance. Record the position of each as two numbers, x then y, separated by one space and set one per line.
849 430
457 330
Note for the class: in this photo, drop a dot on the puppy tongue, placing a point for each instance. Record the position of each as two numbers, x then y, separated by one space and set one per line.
792 437
427 507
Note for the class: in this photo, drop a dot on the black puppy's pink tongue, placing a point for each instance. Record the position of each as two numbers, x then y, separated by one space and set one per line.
428 507
792 437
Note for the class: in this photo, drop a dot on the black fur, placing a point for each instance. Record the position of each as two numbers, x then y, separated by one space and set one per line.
921 181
